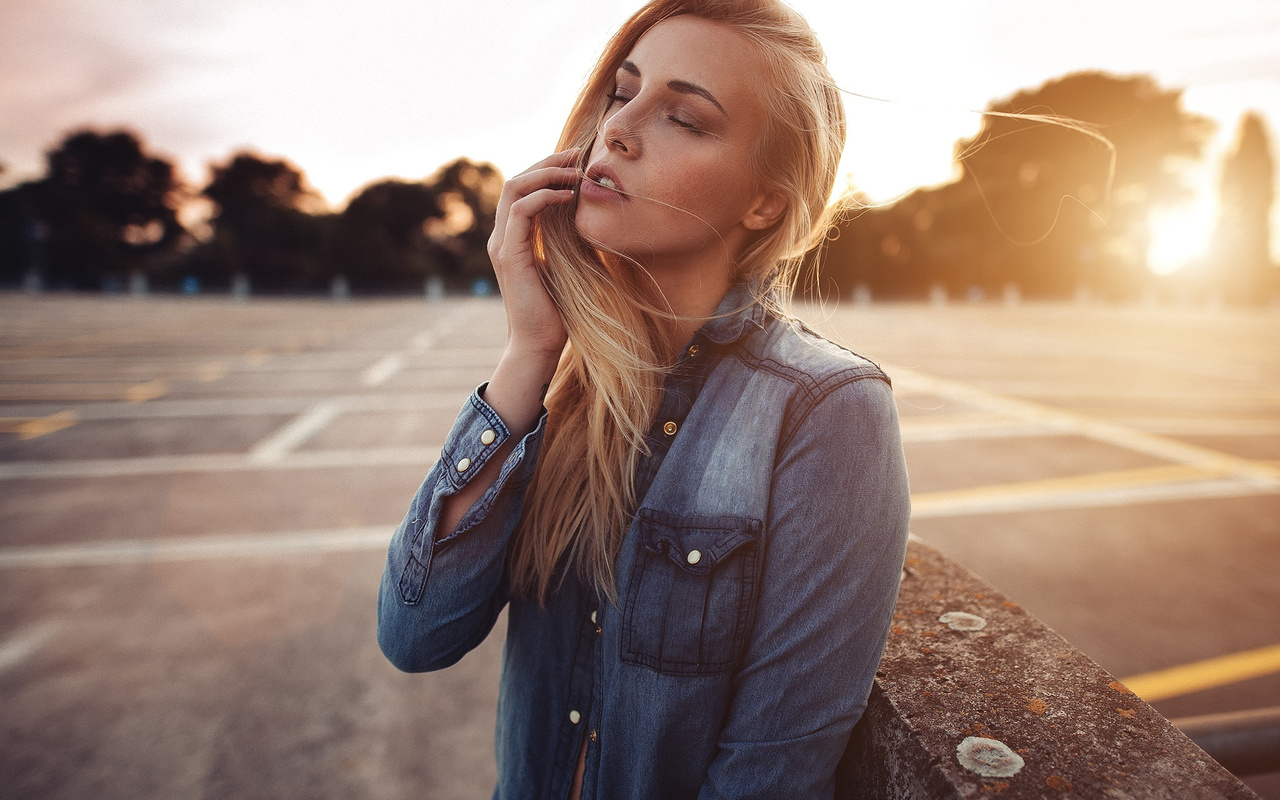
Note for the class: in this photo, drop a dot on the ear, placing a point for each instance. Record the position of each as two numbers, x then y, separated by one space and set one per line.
767 209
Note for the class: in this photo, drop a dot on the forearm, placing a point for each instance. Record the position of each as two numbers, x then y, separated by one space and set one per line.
440 595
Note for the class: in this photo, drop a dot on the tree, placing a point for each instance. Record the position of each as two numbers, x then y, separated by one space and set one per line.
1242 242
1036 203
467 197
379 239
269 225
104 209
395 233
1049 193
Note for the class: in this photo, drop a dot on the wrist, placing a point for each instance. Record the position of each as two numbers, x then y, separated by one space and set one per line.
533 362
518 388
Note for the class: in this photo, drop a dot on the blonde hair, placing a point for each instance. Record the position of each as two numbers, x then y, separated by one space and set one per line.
607 388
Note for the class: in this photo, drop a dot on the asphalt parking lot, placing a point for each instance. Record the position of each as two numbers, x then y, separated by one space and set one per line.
196 495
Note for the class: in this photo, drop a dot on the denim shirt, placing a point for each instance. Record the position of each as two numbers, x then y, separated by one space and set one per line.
755 583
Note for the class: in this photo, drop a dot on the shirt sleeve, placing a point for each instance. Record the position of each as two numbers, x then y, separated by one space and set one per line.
836 539
440 597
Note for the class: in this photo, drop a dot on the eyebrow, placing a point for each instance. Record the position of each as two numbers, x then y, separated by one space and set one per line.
683 87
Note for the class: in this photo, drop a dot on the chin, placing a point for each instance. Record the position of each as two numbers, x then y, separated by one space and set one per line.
596 227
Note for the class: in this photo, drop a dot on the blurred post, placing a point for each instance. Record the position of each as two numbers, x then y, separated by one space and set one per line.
434 288
1012 294
340 288
938 294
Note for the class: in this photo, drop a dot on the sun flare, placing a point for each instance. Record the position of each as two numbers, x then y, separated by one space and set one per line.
1179 236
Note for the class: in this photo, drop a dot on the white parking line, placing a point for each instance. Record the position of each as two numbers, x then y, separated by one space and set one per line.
255 406
1205 426
218 462
198 548
383 369
282 442
1100 430
977 427
20 647
1010 498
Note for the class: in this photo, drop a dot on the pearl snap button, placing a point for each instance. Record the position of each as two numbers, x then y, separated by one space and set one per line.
575 717
670 428
593 616
694 556
487 437
464 464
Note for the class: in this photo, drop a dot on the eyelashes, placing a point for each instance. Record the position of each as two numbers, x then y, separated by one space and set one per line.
617 99
689 126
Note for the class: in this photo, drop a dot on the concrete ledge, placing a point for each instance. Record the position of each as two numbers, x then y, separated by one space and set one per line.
977 698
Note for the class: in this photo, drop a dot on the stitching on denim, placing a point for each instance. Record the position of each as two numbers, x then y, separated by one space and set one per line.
785 442
459 480
746 575
411 587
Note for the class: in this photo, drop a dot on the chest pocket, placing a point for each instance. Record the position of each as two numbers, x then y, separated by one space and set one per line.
691 596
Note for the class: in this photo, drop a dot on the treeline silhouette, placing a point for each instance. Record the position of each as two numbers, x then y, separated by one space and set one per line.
1053 198
105 216
1047 210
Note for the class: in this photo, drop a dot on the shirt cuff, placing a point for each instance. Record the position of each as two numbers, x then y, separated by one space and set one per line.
478 433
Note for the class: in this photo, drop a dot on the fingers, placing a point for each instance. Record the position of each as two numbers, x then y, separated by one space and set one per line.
519 221
557 171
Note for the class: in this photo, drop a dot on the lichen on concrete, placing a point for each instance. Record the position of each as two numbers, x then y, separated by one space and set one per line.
1078 732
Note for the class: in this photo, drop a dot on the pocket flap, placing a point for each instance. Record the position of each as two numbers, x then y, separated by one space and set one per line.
696 543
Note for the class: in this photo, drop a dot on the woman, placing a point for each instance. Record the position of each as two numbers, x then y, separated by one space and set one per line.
700 536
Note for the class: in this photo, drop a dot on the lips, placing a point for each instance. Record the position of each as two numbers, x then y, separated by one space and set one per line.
601 176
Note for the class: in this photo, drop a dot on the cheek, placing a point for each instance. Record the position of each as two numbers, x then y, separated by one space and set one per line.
714 190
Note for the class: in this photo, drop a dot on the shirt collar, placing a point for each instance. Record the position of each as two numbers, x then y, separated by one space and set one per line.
739 314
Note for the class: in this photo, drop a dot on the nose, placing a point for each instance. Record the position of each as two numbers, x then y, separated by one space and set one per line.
619 133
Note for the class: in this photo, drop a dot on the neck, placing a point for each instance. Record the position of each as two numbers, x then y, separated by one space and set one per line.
692 294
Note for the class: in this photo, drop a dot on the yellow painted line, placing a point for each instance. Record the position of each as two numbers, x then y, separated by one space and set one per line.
257 355
35 427
146 391
929 502
41 426
211 371
61 392
1208 674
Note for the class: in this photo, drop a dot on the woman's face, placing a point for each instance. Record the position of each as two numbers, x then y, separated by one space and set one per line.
676 143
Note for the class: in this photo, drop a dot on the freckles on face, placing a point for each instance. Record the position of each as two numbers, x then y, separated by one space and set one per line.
676 141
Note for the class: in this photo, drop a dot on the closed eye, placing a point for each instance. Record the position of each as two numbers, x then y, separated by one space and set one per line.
689 126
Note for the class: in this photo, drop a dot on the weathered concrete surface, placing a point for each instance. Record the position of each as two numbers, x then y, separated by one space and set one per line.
1078 731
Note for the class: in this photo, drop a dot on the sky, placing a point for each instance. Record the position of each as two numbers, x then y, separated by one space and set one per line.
355 92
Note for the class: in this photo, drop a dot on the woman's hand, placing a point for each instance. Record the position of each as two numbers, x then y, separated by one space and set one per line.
535 331
534 326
